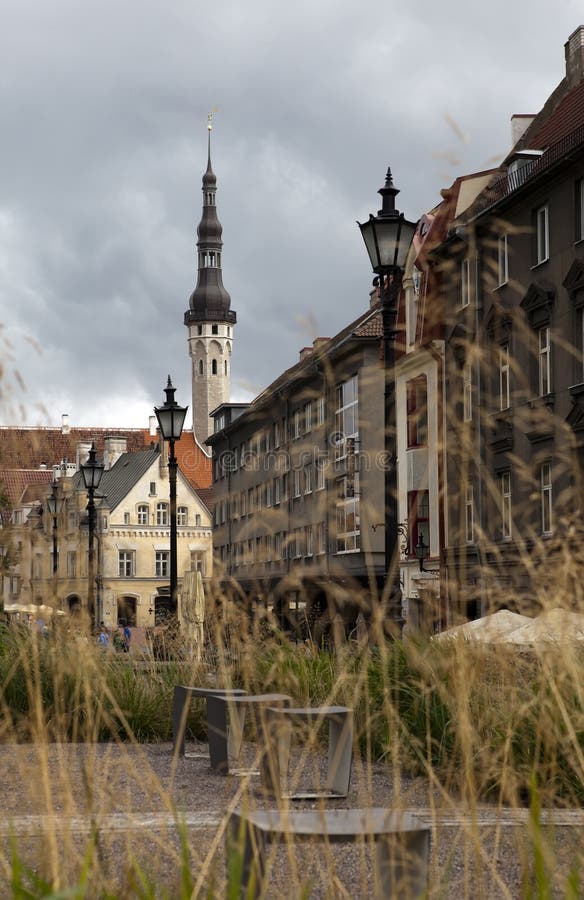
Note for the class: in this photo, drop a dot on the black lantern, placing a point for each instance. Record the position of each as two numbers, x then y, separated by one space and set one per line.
170 415
171 419
388 237
421 550
91 472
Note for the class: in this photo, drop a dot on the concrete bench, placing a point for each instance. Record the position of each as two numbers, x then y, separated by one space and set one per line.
402 844
221 750
217 719
340 750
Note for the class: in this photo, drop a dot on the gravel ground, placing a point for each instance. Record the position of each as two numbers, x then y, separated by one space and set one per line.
487 859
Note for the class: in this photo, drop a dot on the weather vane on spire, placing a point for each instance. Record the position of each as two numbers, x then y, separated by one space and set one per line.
210 118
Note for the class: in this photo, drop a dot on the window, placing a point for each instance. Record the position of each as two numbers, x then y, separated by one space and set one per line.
542 237
200 367
546 498
308 547
297 543
269 548
125 563
320 539
126 518
198 520
182 515
276 434
544 361
465 282
277 545
36 566
417 411
504 395
418 519
162 514
319 411
346 415
143 514
214 329
579 210
71 563
320 472
502 260
505 481
268 494
307 477
469 514
153 489
307 417
277 487
348 517
214 367
161 562
297 483
467 392
226 367
285 486
250 500
296 432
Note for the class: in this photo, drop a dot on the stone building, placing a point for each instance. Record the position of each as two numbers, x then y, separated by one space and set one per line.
298 481
512 268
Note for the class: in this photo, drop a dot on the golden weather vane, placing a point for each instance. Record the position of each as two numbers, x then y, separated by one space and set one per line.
210 117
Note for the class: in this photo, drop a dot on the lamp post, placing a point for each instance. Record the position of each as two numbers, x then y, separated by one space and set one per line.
55 504
388 237
92 472
171 418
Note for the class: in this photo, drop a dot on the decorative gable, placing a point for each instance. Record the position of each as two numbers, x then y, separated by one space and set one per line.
574 283
538 303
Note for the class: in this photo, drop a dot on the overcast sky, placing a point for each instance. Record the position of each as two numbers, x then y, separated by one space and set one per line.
103 113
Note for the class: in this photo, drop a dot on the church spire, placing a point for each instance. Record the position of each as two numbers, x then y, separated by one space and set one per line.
209 301
209 318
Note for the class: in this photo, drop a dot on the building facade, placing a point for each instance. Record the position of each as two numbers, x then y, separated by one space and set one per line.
298 482
513 282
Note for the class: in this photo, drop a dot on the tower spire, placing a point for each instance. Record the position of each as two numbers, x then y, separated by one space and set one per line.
209 318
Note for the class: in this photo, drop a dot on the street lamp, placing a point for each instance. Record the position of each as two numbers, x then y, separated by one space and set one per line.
388 237
55 504
92 472
171 419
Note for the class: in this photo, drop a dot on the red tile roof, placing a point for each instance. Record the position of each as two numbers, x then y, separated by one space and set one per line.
27 449
567 116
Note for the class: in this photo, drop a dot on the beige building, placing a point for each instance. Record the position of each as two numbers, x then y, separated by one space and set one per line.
132 543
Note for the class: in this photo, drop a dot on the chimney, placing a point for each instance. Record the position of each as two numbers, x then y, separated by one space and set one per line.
519 124
319 342
152 425
112 450
574 51
65 424
306 351
163 459
83 448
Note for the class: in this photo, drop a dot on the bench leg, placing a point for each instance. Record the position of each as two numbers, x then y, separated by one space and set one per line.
225 732
403 860
340 754
246 857
274 739
180 708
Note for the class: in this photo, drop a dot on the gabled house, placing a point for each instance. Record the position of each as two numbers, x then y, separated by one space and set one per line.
132 536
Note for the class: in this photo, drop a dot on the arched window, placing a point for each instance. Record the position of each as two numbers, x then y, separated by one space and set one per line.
182 516
200 367
214 367
226 367
143 511
162 513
